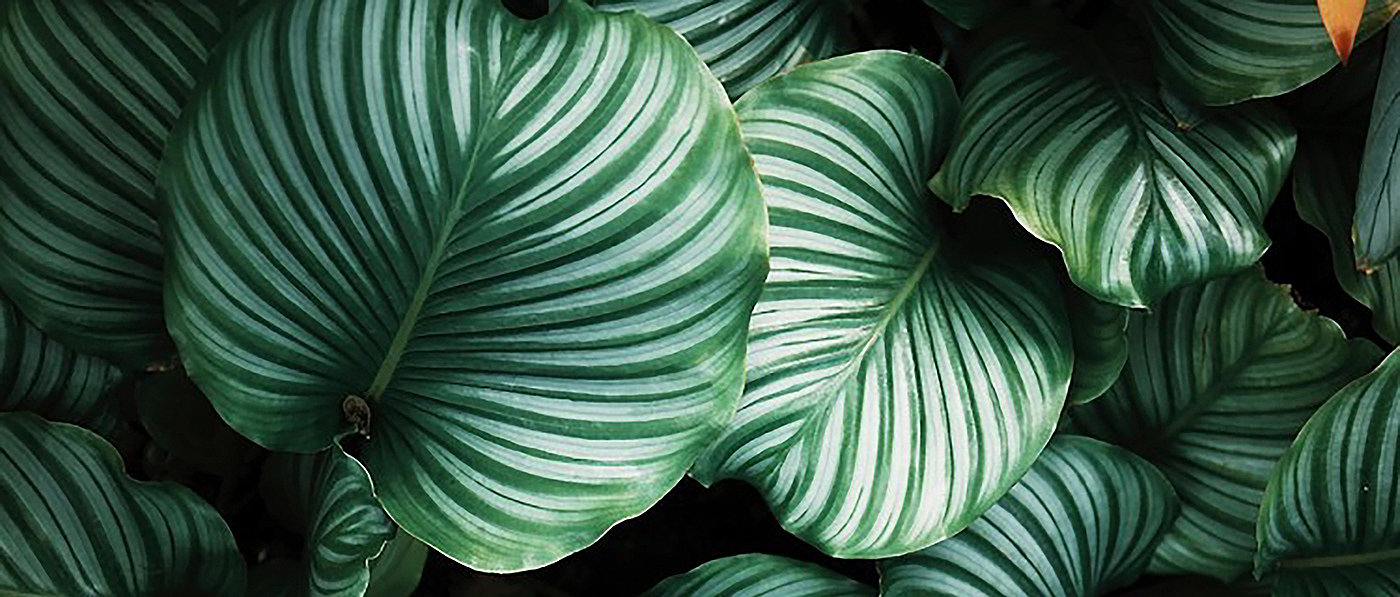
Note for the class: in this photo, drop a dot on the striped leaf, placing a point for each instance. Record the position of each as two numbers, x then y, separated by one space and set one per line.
74 525
1330 519
42 376
1082 522
397 569
519 255
1220 52
99 85
1100 334
900 377
1220 378
328 498
759 575
1377 220
745 42
1084 152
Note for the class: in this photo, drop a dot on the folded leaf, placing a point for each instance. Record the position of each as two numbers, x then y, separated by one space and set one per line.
1082 522
328 499
1330 519
99 85
901 376
519 255
1227 51
1082 149
1220 378
42 376
1377 220
73 524
745 42
759 575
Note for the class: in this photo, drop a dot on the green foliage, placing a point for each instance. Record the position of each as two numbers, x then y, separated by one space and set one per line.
378 288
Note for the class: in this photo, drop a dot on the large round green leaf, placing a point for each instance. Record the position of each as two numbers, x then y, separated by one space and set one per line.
1331 512
42 376
1226 51
519 255
745 42
1377 220
1220 378
90 90
1083 150
71 524
759 575
1083 521
329 499
899 379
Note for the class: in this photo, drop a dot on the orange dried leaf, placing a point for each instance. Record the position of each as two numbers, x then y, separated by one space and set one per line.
1342 18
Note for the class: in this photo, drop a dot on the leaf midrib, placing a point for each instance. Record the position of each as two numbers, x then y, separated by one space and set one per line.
1209 396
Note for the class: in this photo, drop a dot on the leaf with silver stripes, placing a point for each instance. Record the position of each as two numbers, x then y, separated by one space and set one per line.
1220 378
1377 219
759 575
1082 149
328 498
745 42
904 369
519 255
73 524
99 85
1220 52
1330 519
1082 522
44 377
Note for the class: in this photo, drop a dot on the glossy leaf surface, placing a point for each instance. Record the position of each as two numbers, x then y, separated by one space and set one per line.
519 255
100 85
73 524
1220 378
1082 522
1226 51
745 42
1082 149
900 377
1377 221
1331 512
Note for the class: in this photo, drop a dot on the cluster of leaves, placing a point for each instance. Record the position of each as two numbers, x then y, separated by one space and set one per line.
400 275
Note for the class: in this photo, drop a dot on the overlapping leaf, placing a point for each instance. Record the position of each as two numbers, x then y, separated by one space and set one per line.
1083 521
1377 219
1226 51
1332 114
329 499
42 376
397 569
1330 519
1082 149
90 90
1100 333
519 255
745 42
900 377
1220 378
759 575
73 524
181 421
